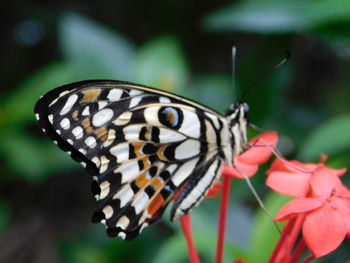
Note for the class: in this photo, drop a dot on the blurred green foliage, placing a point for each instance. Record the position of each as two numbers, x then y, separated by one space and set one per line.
312 118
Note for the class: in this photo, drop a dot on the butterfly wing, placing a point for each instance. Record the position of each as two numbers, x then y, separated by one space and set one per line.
141 146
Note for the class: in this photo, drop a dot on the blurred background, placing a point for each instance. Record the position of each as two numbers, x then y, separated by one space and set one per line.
182 47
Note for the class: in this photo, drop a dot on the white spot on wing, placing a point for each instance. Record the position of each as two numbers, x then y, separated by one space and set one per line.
37 116
114 94
69 104
104 164
121 152
108 211
123 118
132 132
135 92
140 202
164 99
104 189
83 151
78 132
187 149
122 235
50 117
86 111
110 138
97 161
90 142
65 123
129 171
135 101
101 117
190 125
123 222
124 195
151 115
102 104
167 135
184 171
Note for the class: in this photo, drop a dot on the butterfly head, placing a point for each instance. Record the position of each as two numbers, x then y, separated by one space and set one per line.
238 117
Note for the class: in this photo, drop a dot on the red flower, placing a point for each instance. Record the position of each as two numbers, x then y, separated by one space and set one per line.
292 178
214 189
326 207
248 162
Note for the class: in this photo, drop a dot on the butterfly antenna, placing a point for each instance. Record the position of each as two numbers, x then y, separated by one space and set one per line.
234 51
265 74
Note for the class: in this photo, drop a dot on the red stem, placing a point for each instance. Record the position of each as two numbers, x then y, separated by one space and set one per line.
222 217
298 250
311 257
185 222
289 234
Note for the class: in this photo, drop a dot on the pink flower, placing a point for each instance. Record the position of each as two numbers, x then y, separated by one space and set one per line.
292 178
325 205
248 162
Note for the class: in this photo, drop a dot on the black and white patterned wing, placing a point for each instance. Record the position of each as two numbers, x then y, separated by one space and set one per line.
140 145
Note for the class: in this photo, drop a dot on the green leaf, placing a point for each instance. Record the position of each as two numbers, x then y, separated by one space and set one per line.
276 16
17 107
32 158
265 234
330 138
161 64
96 51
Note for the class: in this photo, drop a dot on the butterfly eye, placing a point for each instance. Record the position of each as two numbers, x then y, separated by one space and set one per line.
246 111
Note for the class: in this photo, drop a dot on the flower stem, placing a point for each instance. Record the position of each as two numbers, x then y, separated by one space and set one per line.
308 259
185 222
222 217
289 235
298 250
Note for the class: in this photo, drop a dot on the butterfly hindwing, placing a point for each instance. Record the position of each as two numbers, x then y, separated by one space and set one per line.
141 145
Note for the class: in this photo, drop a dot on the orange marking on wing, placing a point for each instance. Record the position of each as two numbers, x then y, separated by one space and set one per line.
90 95
75 115
87 125
146 163
155 204
158 184
142 180
137 147
160 153
101 133
148 133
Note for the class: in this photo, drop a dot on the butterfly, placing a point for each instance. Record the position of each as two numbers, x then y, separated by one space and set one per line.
141 146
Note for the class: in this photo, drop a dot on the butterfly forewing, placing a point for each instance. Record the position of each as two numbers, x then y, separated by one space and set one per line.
141 145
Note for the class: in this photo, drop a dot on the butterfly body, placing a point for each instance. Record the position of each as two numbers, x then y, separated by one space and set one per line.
141 146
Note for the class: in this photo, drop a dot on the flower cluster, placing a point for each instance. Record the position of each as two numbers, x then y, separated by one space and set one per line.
318 218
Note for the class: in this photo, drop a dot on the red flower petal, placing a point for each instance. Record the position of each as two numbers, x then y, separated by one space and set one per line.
342 205
324 182
291 166
297 206
247 169
291 184
323 230
214 189
261 150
